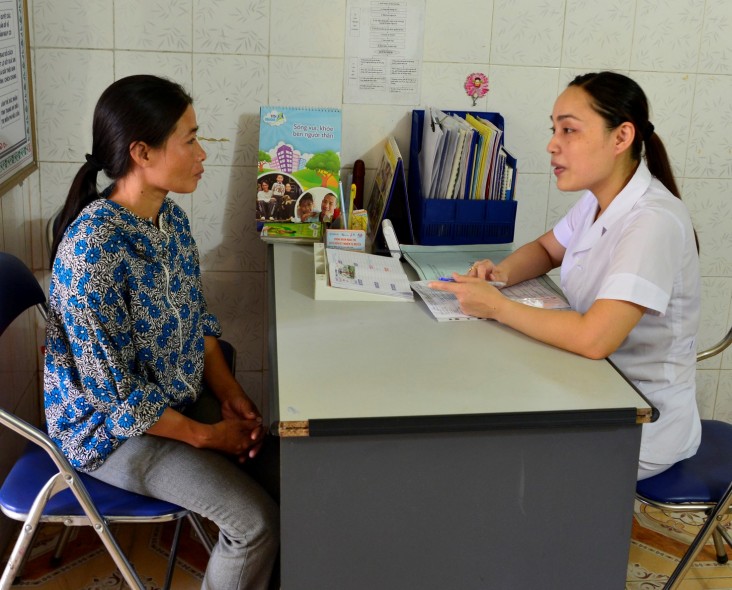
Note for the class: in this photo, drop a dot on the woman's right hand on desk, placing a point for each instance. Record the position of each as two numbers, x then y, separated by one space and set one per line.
487 270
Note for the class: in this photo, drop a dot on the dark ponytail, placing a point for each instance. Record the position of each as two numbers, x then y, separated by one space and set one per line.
617 99
82 192
136 108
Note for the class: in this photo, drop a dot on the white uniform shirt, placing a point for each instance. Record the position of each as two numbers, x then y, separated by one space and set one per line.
642 250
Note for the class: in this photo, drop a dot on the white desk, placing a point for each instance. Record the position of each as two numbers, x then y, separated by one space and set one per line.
418 454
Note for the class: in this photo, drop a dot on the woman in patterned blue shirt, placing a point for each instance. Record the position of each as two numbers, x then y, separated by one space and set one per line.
130 343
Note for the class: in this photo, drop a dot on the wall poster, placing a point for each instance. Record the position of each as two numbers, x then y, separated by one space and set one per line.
17 125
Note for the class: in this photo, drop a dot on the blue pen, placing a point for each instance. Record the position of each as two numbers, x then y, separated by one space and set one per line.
497 284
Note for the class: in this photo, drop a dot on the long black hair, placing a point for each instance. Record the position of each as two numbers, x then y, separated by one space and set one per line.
136 108
617 99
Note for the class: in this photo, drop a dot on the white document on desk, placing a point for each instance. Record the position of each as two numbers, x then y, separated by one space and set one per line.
358 271
443 305
537 292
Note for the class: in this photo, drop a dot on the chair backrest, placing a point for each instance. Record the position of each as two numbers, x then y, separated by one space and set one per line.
717 348
19 289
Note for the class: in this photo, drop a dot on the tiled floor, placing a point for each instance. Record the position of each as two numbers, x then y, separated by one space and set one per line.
658 541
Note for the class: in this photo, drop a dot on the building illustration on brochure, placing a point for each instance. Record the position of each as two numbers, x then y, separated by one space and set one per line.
298 168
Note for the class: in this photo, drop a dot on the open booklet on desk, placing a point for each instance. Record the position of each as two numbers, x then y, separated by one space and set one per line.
358 271
435 262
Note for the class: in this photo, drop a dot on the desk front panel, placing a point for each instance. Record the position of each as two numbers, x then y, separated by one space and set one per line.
547 509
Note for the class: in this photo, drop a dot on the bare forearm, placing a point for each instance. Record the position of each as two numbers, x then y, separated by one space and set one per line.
529 261
558 328
172 424
233 436
595 334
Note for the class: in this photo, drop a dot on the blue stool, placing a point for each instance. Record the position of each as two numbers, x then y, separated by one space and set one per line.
698 484
43 487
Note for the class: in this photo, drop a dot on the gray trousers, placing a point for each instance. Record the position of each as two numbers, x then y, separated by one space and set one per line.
212 485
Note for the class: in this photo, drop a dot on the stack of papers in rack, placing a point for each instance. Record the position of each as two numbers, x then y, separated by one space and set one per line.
464 158
359 271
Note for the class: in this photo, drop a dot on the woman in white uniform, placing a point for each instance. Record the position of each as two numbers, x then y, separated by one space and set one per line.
628 257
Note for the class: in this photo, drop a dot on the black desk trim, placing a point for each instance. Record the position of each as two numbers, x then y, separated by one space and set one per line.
464 422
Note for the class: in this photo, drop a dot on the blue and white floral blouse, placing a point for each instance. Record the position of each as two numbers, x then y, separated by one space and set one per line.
126 326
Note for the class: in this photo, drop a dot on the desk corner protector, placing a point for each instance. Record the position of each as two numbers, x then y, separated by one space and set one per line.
644 415
291 429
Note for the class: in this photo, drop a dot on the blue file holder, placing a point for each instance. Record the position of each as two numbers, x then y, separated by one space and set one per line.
455 221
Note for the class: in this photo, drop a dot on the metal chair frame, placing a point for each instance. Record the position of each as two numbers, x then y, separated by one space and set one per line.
715 511
66 477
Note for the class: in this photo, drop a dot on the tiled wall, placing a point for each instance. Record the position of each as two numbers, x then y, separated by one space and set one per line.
235 55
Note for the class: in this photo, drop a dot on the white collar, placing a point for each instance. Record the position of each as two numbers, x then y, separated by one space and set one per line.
623 202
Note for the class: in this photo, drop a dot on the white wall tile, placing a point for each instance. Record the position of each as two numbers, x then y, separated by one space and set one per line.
443 86
308 28
716 41
707 383
365 129
73 23
667 34
228 105
14 224
710 206
670 112
237 300
68 85
525 97
231 26
526 32
18 361
160 25
305 81
446 42
709 153
723 406
222 220
715 309
597 35
174 66
35 223
532 194
727 354
559 203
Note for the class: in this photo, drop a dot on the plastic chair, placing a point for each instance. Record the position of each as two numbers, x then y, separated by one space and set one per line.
702 483
43 487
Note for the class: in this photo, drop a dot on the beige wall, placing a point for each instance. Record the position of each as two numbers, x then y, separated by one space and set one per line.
235 55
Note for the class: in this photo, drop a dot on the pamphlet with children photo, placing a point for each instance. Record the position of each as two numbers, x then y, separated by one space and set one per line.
299 166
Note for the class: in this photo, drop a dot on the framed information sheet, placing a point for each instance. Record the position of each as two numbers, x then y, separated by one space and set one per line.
17 125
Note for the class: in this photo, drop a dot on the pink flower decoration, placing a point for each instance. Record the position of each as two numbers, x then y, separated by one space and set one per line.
476 86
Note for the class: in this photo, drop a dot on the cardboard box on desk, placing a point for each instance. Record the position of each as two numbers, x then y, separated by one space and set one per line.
455 221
